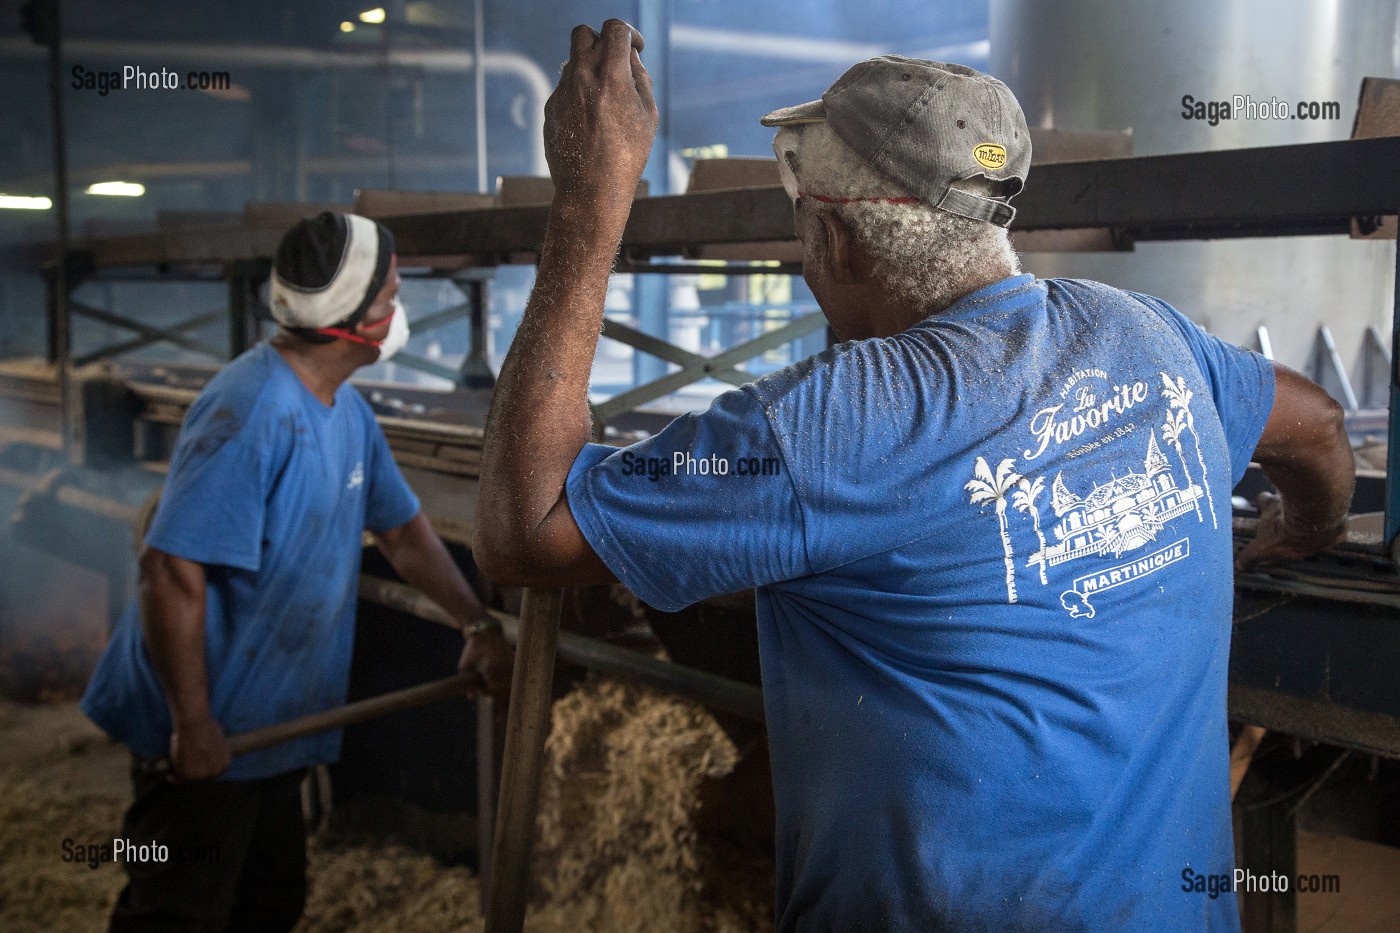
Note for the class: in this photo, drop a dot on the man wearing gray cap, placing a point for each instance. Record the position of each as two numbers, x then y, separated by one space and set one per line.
993 574
248 591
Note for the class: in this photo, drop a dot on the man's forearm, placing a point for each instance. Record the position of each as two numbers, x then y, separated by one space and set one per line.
599 124
1305 451
1307 455
172 622
539 416
418 555
1315 484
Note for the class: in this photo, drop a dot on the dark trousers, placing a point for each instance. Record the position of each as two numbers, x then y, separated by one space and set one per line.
234 855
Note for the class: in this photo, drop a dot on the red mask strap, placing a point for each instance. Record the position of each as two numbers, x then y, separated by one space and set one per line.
356 338
347 335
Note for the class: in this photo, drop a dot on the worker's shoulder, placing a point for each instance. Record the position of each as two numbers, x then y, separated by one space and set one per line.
836 366
1095 295
1120 312
252 389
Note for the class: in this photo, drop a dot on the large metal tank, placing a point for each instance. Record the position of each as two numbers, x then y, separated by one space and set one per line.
1110 65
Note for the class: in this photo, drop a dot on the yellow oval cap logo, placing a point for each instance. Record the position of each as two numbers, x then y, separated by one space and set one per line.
990 155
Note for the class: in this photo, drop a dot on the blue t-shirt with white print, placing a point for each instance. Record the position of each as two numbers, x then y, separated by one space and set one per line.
994 585
271 491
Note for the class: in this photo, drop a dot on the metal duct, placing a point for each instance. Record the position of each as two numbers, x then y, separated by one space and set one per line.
1109 65
277 57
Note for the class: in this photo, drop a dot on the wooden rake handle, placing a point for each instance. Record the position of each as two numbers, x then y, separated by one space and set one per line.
527 726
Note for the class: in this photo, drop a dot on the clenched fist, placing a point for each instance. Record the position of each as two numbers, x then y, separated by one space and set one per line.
600 120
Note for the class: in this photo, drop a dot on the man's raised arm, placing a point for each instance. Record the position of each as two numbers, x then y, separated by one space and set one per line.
599 124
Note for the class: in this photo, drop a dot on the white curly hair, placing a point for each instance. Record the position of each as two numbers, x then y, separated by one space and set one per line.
929 257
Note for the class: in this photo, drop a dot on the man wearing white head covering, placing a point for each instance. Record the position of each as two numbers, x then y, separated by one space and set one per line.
248 592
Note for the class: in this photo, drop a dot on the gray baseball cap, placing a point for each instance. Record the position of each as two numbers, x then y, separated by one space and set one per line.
925 125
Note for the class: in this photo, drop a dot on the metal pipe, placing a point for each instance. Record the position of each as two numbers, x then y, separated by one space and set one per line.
1392 474
280 57
61 325
479 89
805 48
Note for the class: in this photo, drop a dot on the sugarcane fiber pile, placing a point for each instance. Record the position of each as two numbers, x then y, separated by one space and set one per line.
61 781
617 843
618 847
364 889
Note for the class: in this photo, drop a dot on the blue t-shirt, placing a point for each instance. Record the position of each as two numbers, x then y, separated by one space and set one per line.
270 490
993 565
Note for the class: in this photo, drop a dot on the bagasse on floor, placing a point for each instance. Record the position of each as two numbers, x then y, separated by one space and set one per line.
618 849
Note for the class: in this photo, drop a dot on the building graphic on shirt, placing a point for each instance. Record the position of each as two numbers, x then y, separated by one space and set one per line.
1114 520
1120 515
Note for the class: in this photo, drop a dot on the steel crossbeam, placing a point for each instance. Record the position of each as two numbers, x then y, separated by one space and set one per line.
622 333
149 334
701 367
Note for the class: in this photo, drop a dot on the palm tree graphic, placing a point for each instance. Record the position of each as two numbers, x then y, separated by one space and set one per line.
1180 398
1027 492
986 488
1172 430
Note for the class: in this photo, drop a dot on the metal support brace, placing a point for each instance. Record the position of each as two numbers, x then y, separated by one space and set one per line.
414 361
615 330
136 343
245 321
1392 474
1326 359
1375 369
148 333
476 368
702 367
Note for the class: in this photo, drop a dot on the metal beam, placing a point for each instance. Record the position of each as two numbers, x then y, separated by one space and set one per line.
1303 189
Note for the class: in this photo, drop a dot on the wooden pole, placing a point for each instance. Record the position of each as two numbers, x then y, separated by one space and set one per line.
526 728
487 753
